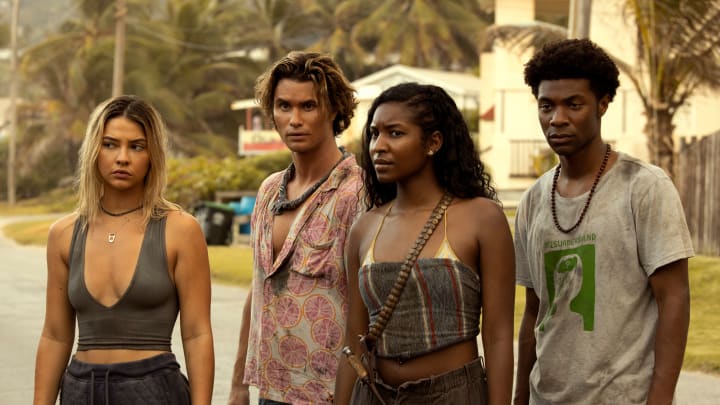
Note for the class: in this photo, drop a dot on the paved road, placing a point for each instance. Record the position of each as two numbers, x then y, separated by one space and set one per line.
22 288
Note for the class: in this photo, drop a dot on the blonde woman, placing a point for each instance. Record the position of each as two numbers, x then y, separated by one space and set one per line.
123 265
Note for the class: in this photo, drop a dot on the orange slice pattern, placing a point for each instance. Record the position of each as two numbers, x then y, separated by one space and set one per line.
277 375
300 285
287 311
293 351
327 333
324 365
318 307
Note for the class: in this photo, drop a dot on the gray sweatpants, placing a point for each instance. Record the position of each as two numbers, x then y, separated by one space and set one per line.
153 381
464 385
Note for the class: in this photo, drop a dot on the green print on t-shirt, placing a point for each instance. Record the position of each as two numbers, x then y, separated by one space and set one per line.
570 280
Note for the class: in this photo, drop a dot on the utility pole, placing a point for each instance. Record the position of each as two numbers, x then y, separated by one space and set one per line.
119 60
579 23
13 102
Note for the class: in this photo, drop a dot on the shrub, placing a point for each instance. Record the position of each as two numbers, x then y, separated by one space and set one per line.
191 180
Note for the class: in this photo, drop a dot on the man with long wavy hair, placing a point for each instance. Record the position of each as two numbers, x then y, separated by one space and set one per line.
294 317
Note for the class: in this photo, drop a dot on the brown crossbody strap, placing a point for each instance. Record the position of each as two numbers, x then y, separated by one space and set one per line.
366 374
391 301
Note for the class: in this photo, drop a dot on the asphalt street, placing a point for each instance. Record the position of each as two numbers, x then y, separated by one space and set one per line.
22 288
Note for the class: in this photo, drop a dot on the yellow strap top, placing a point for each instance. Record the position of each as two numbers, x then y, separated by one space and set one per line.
444 251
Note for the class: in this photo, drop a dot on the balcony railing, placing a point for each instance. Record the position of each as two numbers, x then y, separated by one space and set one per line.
522 154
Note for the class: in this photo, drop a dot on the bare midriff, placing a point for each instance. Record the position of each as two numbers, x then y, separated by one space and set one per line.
108 356
439 362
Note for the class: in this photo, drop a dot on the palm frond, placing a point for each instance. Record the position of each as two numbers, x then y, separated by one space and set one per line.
522 37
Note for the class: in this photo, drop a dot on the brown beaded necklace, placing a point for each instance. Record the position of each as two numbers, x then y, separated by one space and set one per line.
590 196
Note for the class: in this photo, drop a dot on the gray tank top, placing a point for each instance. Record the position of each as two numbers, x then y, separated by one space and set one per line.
144 317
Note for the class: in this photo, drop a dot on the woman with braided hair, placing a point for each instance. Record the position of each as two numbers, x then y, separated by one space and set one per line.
419 314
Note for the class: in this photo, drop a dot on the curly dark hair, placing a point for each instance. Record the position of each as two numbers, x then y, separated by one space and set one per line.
573 59
333 90
456 164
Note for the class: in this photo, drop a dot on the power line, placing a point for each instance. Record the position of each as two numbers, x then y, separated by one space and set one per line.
136 24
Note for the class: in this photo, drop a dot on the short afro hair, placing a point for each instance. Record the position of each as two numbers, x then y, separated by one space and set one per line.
573 59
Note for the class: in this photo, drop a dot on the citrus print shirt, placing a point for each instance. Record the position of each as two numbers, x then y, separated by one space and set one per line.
299 302
595 328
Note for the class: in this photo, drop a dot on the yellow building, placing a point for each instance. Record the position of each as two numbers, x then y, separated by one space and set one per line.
513 139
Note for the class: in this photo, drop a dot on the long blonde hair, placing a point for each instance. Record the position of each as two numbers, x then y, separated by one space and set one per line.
89 180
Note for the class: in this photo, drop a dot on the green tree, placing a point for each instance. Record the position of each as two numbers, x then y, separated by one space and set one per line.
275 27
424 33
182 61
336 19
178 56
678 53
73 69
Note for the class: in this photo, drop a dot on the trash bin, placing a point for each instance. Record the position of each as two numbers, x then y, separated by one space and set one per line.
216 222
243 209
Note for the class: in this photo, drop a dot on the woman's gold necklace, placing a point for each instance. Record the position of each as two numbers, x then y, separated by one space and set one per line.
111 236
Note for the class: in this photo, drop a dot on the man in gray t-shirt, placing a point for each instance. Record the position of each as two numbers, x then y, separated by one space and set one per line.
602 246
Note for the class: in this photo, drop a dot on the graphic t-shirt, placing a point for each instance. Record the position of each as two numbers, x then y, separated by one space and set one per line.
596 321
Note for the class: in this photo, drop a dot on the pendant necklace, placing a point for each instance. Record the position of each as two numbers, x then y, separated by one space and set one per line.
111 236
590 196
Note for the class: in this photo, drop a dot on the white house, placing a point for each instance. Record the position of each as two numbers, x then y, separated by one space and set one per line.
513 137
462 87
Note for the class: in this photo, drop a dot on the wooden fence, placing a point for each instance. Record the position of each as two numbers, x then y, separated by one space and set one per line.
698 182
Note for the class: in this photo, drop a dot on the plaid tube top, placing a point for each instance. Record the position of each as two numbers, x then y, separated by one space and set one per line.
440 305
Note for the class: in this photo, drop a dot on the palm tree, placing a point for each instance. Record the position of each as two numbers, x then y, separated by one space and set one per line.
678 53
182 62
177 57
73 68
424 33
336 19
276 27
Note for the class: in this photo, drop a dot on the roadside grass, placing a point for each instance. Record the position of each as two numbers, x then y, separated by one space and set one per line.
233 265
31 232
228 264
58 200
703 347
